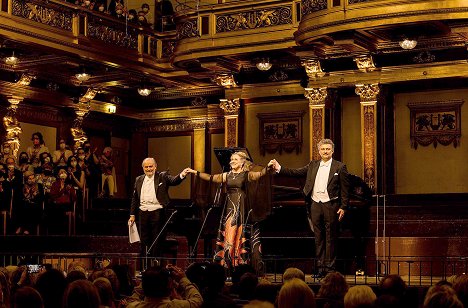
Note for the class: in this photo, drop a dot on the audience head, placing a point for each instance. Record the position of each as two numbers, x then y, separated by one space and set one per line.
387 301
104 288
51 285
45 158
293 272
247 284
29 177
37 138
124 275
393 285
81 294
75 275
196 273
113 279
258 304
442 297
359 297
460 285
156 282
333 286
27 297
23 158
266 291
295 293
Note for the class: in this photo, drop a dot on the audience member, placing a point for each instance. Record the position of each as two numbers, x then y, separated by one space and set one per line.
247 285
62 198
293 272
61 155
387 301
266 291
295 293
13 188
51 285
159 287
108 173
214 283
258 304
442 297
81 294
106 294
27 297
332 290
6 152
359 296
24 164
460 285
29 212
393 285
38 147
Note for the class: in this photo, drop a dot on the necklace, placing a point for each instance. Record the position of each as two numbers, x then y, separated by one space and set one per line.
235 174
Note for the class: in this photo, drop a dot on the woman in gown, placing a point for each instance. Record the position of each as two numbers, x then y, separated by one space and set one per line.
238 235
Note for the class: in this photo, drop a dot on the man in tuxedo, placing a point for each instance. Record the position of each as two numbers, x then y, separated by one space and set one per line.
150 199
326 191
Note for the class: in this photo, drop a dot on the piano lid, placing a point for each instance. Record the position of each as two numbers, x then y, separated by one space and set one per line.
224 155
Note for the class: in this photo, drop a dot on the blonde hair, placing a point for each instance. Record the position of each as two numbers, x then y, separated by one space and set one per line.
296 293
246 163
359 296
293 272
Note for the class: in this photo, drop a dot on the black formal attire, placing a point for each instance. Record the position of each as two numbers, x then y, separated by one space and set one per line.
323 215
151 222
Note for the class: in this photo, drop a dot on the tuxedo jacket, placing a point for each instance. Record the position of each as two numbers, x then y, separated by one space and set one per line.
162 181
338 180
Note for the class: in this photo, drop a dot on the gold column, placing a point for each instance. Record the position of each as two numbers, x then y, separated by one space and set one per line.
231 121
368 94
316 98
199 137
79 136
12 126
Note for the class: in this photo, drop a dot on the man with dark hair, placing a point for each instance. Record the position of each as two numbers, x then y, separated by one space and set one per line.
158 285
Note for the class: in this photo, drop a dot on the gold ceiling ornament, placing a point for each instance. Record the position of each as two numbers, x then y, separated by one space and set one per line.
316 96
225 80
25 79
230 106
89 95
367 92
12 126
365 63
313 68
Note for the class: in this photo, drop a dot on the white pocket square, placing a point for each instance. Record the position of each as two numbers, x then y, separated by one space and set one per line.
336 173
160 184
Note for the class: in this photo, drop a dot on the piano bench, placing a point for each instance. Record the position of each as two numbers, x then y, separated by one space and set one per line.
171 247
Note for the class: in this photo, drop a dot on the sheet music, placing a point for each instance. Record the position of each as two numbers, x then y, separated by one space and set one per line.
133 233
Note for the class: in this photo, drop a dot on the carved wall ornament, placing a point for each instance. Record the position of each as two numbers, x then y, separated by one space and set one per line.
254 19
280 131
230 106
230 137
435 122
365 63
115 34
316 96
12 126
424 57
188 29
25 79
367 92
42 14
225 80
317 129
313 68
199 101
89 95
369 137
168 48
310 6
278 76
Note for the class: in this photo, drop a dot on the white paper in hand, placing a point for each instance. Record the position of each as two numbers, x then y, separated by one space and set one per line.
133 233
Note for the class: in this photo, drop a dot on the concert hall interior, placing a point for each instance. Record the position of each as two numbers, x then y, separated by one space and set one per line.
386 80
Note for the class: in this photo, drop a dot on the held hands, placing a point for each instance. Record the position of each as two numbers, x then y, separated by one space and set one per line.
187 171
274 165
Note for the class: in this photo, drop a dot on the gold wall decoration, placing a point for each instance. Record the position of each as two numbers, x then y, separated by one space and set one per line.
280 131
435 122
358 1
168 48
25 79
267 17
89 95
188 28
313 68
54 17
365 63
225 80
12 126
368 94
230 106
310 6
112 33
81 110
316 98
231 131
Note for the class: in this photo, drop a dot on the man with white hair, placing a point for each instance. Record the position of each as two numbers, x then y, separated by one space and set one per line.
150 199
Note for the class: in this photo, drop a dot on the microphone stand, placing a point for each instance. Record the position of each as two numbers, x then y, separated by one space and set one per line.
193 252
157 237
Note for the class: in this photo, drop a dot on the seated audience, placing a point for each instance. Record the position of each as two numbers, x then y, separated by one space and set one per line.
213 290
293 272
332 290
81 294
27 297
359 296
258 304
442 296
106 294
295 293
51 285
460 285
265 291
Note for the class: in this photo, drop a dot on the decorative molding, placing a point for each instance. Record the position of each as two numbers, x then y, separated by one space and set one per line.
424 57
313 68
280 131
199 101
317 129
230 136
41 14
278 76
365 63
310 6
367 92
358 1
225 80
168 48
188 29
12 126
115 34
230 106
435 122
261 18
369 135
316 96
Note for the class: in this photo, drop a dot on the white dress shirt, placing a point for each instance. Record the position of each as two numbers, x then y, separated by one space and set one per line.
320 193
148 200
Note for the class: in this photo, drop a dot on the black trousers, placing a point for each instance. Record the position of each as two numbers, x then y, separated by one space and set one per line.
151 223
325 224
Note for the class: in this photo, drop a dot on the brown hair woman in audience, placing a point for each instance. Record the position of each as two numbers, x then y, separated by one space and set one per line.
233 247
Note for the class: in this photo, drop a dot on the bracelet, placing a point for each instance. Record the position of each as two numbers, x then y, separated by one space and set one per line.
198 173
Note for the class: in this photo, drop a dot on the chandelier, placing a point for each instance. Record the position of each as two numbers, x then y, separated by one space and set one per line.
144 91
12 60
408 44
264 64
